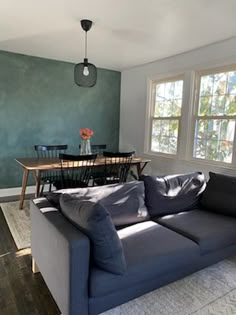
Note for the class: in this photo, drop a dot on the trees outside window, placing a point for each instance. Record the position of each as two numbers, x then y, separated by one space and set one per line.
215 118
201 127
165 115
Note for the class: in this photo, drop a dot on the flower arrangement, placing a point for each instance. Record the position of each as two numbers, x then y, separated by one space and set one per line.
86 133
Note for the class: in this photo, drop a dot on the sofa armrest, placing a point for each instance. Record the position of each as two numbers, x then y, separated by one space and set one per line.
62 254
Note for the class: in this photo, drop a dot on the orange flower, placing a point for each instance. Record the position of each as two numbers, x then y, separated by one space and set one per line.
86 133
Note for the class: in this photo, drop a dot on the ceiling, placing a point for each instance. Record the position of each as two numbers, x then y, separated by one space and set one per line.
125 33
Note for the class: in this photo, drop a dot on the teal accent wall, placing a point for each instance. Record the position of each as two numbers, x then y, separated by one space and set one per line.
41 104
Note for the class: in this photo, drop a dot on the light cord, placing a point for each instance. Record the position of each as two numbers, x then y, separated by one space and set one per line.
85 44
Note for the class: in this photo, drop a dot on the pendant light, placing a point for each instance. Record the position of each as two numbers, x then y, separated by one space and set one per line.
85 73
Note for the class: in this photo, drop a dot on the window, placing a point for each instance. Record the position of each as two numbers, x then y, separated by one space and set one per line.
214 135
165 115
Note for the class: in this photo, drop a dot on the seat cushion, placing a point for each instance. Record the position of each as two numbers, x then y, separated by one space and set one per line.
95 221
209 230
150 250
220 194
173 193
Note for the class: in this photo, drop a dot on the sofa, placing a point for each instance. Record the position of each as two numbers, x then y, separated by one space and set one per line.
99 247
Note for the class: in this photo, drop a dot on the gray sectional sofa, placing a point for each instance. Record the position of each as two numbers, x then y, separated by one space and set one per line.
99 247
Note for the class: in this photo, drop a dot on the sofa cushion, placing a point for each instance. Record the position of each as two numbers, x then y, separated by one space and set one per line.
220 194
125 202
95 221
209 230
173 193
150 251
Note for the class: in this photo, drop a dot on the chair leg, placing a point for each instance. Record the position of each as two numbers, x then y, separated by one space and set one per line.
41 193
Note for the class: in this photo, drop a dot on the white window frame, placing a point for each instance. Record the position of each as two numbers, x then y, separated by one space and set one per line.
150 115
195 117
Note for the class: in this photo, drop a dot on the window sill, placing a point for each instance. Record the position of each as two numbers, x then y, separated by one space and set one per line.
192 162
162 155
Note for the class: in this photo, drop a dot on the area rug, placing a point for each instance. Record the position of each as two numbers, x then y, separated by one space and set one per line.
211 291
18 222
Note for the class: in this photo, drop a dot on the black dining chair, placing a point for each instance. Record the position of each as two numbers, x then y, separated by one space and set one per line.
48 152
75 170
97 148
98 172
117 166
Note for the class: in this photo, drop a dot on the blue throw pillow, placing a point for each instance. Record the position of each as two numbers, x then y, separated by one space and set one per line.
94 220
125 202
220 194
173 193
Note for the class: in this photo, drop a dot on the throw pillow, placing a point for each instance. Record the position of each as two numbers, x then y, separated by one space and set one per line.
174 193
125 202
220 194
94 220
54 196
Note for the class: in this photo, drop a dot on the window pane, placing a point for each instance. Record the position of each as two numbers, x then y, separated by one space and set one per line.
231 84
218 94
214 139
168 101
200 148
164 136
205 106
169 90
206 87
218 105
160 105
178 90
220 81
176 107
230 106
201 129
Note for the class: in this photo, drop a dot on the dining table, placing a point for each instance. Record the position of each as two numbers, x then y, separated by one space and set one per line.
37 165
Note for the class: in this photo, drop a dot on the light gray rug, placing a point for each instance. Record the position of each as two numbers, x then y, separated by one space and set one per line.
18 222
211 291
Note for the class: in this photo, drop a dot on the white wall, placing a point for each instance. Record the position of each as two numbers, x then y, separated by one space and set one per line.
134 94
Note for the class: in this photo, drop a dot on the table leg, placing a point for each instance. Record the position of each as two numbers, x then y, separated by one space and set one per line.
24 184
140 168
37 182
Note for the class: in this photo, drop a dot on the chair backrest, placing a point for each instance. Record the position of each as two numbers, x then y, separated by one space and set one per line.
76 170
117 165
97 148
50 151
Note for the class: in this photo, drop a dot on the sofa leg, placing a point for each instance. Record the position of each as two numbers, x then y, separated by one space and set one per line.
35 268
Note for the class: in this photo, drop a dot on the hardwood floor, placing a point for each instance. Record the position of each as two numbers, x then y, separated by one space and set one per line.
21 292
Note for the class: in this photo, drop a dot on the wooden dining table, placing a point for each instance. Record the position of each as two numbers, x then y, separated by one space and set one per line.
36 165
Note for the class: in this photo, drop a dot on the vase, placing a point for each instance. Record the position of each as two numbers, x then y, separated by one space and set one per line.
85 147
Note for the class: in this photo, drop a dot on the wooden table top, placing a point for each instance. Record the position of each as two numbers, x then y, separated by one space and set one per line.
33 164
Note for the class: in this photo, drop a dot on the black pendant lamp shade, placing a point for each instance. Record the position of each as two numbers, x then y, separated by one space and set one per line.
85 73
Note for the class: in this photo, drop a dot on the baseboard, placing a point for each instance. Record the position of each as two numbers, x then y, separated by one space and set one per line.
16 191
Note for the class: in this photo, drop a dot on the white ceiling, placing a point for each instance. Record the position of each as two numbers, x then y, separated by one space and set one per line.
125 33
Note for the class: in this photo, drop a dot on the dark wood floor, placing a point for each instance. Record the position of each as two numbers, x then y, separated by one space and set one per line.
21 292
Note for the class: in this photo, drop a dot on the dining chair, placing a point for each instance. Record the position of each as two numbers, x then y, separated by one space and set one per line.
97 148
75 170
117 166
98 172
48 152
